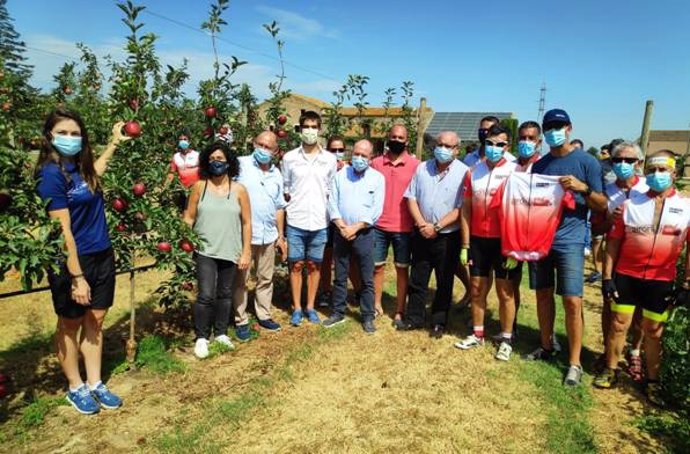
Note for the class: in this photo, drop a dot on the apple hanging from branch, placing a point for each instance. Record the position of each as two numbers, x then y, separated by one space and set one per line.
132 129
139 189
210 112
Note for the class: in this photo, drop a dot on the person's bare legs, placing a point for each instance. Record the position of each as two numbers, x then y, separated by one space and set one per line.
573 326
479 289
313 277
505 289
616 338
402 277
296 284
546 314
91 344
597 254
637 330
68 349
652 346
463 273
379 274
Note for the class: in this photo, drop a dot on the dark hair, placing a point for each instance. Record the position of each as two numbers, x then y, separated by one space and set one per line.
184 132
529 124
230 156
334 139
605 147
579 142
490 118
309 115
498 129
83 160
613 143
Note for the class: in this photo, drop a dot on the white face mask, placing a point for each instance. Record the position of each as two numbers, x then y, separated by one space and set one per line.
309 136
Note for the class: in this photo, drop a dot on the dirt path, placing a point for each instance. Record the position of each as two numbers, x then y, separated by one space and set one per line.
308 390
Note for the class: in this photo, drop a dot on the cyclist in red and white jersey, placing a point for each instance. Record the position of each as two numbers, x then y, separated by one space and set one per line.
643 248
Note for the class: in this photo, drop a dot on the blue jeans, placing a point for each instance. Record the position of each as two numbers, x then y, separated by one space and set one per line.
567 263
306 244
401 247
362 249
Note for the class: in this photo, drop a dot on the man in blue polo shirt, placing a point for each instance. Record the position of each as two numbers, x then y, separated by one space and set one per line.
355 203
581 174
264 185
434 197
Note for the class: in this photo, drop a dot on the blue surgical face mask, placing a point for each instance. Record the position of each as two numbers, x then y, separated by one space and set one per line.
359 163
443 155
526 148
67 145
555 137
493 153
218 168
262 156
659 181
623 170
183 144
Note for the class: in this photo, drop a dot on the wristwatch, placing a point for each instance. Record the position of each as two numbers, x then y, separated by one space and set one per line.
437 228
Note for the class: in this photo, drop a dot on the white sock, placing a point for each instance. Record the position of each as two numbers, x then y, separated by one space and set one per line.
74 390
635 352
93 387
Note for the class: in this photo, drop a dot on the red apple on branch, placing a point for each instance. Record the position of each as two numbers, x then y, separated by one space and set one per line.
121 227
164 246
120 205
208 132
67 90
223 130
210 112
281 133
132 128
186 245
282 120
187 286
134 104
139 189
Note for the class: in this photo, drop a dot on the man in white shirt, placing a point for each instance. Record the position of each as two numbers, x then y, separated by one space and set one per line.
307 174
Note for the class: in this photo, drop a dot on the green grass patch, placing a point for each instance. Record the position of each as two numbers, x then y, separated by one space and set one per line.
673 428
34 414
153 355
230 414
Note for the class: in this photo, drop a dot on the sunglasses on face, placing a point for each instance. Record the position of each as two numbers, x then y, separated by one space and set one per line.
336 150
626 160
496 144
652 169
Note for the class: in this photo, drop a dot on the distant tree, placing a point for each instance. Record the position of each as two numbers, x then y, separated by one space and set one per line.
593 151
12 48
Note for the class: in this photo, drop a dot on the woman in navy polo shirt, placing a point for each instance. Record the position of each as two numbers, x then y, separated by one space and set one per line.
83 290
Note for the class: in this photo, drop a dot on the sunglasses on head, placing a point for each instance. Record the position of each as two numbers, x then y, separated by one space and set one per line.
336 150
496 144
627 160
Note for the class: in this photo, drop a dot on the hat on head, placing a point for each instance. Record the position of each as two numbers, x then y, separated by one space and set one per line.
556 116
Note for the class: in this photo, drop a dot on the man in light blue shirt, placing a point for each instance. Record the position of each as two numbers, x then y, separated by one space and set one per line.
354 205
264 184
434 197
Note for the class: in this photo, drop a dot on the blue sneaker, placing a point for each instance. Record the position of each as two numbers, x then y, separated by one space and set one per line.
82 400
269 324
313 316
106 398
296 318
243 333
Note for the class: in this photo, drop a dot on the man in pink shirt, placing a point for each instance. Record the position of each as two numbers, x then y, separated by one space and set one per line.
395 224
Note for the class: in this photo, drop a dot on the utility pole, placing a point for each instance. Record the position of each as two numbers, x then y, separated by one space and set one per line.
421 128
542 101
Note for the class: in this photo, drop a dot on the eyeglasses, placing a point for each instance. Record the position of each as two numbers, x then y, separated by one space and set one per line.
626 160
496 144
336 150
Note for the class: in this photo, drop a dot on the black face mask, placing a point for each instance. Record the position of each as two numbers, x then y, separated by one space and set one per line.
482 134
218 168
396 147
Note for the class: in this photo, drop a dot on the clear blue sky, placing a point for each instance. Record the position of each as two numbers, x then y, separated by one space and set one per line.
601 60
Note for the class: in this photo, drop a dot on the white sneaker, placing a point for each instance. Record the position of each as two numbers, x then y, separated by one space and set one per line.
201 348
587 252
469 342
504 351
225 340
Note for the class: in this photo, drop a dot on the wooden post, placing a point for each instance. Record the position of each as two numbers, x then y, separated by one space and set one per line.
421 128
131 349
646 123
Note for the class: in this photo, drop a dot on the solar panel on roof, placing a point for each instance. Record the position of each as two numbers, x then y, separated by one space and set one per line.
463 123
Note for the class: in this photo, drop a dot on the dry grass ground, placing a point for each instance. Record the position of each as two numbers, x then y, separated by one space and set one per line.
314 390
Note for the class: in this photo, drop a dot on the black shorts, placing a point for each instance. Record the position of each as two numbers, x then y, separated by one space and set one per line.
99 272
650 295
485 254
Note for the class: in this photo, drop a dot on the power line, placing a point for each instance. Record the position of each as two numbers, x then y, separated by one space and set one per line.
241 46
50 52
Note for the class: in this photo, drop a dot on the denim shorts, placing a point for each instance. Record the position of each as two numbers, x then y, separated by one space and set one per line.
401 247
564 266
306 244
